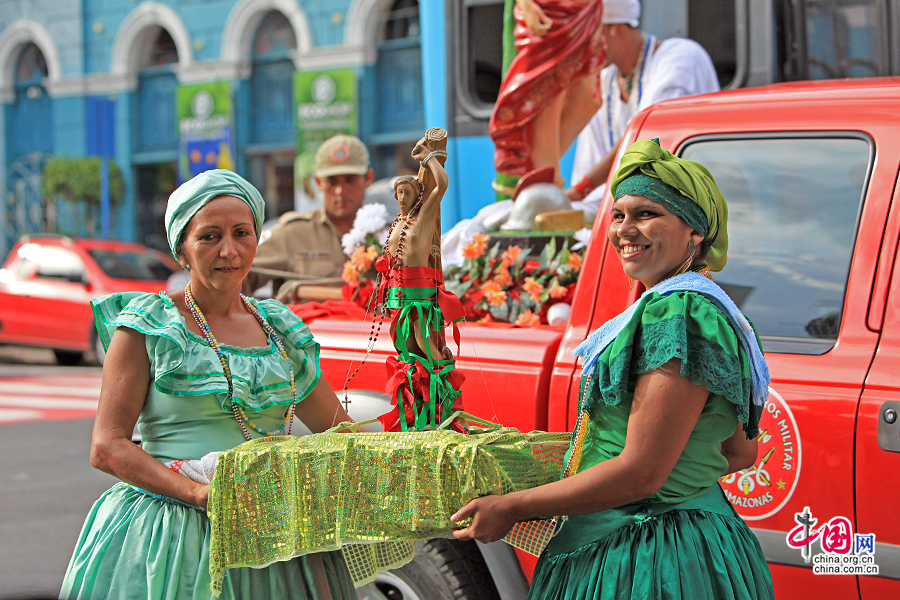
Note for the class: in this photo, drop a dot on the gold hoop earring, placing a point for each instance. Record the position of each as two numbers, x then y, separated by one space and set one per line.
689 262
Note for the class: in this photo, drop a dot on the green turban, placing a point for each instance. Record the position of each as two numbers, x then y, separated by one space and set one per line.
685 187
193 195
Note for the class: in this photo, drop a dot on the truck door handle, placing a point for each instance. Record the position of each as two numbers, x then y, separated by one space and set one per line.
889 426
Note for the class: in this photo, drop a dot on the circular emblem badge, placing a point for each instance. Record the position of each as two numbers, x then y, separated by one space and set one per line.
323 89
202 104
339 153
763 489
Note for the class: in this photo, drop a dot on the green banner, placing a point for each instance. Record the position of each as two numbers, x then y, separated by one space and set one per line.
205 118
325 104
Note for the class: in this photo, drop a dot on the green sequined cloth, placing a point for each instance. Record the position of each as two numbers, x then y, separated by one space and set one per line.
280 497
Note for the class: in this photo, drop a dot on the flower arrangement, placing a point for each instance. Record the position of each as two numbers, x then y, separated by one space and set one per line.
363 244
506 286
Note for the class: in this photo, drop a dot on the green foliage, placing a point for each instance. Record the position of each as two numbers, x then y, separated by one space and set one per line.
79 179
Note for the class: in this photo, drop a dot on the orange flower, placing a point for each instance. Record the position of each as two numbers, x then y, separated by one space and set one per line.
511 255
373 252
480 238
503 278
495 298
533 288
490 286
528 319
557 291
362 259
350 274
575 262
473 250
485 319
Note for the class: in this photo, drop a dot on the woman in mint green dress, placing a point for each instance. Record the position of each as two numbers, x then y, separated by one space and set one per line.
671 395
199 372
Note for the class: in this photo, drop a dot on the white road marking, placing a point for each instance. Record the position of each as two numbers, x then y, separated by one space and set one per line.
15 414
48 389
48 402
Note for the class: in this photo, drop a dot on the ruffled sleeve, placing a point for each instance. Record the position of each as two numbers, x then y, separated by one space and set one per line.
183 364
683 325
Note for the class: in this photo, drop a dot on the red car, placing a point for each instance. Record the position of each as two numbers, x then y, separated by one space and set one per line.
48 281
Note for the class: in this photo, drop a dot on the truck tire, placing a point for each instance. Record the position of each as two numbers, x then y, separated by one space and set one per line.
442 570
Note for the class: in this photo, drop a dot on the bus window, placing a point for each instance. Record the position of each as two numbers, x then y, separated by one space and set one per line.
476 32
712 24
845 39
484 19
828 39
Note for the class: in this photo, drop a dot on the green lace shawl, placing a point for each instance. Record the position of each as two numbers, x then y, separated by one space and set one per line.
683 325
183 364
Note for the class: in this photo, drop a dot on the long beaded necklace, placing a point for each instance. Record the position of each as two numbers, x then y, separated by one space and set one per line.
396 263
239 414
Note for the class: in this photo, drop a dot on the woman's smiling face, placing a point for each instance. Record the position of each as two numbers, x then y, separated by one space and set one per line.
652 243
220 243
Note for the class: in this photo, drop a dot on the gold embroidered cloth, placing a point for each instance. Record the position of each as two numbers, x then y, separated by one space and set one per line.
276 498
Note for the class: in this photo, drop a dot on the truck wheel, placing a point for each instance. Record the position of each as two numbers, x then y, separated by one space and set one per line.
68 357
442 570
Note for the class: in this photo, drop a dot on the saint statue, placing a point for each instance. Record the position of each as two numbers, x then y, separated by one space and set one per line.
422 379
550 90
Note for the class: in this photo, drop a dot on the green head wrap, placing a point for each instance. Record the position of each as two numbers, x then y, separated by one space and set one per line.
684 187
193 195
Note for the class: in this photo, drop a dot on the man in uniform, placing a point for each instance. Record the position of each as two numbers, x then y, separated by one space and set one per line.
310 243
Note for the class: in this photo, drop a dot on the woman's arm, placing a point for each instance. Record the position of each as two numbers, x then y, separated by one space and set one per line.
126 377
321 409
665 410
740 452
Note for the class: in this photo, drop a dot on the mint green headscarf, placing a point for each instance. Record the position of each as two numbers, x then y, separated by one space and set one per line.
686 186
193 195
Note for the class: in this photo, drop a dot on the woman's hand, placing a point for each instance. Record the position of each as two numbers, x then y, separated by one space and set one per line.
202 496
492 518
536 20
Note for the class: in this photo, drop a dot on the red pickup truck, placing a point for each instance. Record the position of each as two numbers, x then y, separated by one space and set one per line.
810 172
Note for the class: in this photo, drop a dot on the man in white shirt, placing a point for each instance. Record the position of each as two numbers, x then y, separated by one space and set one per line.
640 71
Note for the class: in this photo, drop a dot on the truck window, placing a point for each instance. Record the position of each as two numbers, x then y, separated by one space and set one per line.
793 206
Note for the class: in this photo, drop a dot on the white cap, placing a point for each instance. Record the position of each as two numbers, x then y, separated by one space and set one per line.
621 11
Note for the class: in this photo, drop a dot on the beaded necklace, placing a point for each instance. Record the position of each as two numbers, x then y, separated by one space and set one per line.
239 413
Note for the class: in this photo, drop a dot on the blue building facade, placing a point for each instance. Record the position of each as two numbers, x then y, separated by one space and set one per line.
92 77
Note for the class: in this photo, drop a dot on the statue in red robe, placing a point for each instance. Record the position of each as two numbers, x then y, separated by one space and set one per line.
549 92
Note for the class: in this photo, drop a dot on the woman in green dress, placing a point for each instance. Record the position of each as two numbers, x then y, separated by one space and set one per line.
199 372
672 390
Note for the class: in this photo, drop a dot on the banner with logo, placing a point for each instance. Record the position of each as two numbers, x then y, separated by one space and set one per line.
205 119
325 104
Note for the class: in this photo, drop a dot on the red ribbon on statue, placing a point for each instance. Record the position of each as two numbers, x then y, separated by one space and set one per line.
399 374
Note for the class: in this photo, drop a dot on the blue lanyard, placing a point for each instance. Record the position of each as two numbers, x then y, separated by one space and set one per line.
612 86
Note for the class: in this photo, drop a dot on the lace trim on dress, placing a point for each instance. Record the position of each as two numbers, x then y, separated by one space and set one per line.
703 362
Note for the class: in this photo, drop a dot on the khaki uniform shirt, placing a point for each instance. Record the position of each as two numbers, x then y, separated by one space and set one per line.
307 244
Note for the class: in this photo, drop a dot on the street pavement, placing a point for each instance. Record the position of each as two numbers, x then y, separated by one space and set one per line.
47 484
